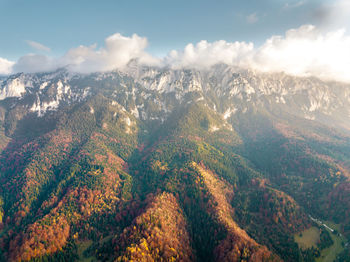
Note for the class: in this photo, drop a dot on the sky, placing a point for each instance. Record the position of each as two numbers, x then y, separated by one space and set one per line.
301 37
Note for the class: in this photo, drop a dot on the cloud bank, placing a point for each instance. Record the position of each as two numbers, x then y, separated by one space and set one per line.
117 53
204 55
305 51
5 66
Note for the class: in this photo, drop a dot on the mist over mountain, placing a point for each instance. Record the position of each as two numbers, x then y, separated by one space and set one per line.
307 50
155 163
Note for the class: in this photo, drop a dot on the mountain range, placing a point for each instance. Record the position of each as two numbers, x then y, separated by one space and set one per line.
162 164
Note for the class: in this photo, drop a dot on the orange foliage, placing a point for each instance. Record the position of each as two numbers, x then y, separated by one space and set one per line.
237 246
158 234
39 239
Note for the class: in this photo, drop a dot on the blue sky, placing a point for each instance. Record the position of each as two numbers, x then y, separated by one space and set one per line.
63 24
298 37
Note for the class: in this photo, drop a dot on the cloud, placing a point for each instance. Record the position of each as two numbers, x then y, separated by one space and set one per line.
33 63
305 51
38 46
5 66
252 18
293 5
333 15
117 52
204 54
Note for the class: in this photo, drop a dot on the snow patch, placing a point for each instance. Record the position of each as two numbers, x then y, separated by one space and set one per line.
42 108
14 88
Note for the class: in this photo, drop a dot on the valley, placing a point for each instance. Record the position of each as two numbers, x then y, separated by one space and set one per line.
310 238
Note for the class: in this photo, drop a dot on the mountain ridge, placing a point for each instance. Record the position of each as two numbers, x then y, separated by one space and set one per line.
317 100
101 158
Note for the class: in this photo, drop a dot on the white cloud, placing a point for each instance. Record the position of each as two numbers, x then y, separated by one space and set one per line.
33 63
117 52
38 46
293 5
5 66
252 18
204 54
305 51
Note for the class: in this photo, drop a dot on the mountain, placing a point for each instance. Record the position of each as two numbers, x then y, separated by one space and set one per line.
144 164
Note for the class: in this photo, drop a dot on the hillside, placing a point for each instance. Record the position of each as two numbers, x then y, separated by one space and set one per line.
155 164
